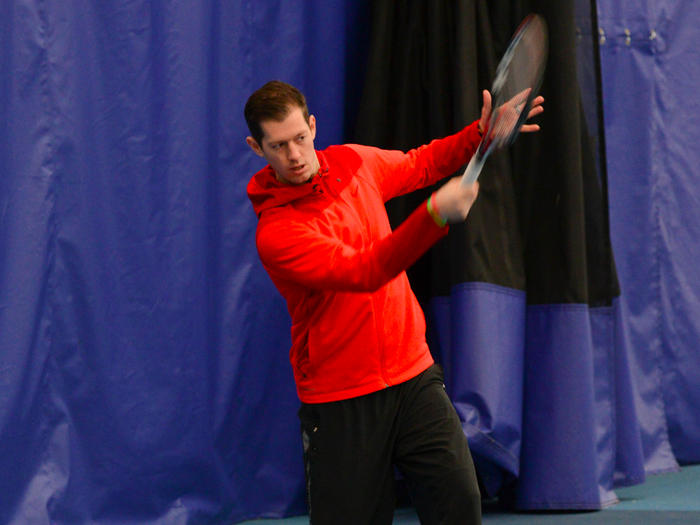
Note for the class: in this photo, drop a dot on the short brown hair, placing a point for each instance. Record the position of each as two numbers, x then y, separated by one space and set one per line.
274 101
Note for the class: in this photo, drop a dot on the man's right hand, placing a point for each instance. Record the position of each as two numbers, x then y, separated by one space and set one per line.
454 201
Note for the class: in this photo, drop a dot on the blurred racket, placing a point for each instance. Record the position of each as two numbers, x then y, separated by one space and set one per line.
518 79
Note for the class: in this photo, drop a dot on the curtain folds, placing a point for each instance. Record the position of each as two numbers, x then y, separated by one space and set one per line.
144 375
649 67
522 298
144 371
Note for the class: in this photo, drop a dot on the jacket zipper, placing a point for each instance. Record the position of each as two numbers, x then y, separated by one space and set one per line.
377 312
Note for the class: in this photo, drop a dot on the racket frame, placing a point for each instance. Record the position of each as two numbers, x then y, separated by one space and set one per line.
488 143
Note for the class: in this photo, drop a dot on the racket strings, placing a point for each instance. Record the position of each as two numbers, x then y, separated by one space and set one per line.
516 82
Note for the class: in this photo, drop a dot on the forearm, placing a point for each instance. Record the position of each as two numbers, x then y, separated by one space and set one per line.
297 254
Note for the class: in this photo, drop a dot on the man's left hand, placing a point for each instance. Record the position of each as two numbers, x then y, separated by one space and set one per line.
536 109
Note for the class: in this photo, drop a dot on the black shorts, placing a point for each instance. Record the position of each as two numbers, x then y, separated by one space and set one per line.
352 446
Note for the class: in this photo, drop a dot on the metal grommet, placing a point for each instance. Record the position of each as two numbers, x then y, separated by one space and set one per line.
628 39
601 32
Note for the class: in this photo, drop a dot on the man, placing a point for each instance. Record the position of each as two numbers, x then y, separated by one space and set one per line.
371 394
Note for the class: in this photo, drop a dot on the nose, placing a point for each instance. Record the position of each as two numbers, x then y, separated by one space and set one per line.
293 153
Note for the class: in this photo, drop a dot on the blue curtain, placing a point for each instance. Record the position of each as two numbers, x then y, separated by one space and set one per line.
144 373
651 73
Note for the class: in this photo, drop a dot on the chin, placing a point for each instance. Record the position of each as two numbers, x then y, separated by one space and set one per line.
299 178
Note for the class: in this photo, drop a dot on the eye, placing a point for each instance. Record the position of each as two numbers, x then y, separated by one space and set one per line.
301 138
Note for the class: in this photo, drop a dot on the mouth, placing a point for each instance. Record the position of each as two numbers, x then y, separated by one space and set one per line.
297 169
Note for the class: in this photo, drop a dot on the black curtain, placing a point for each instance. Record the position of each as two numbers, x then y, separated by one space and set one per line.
520 298
540 222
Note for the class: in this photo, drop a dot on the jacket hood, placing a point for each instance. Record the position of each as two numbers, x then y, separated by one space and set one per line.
265 191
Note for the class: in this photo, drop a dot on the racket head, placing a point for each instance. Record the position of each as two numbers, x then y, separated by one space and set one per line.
518 80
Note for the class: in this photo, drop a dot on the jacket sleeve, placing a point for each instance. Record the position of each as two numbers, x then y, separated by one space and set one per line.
397 173
292 251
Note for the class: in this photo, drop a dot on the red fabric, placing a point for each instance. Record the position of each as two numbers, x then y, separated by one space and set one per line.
330 251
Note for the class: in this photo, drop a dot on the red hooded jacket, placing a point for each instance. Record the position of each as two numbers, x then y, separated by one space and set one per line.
329 249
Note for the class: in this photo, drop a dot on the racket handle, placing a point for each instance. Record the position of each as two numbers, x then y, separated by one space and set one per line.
473 169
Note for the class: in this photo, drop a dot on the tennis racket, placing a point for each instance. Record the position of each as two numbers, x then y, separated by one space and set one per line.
518 79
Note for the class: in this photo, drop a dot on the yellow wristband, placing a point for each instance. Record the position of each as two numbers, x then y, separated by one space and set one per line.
434 214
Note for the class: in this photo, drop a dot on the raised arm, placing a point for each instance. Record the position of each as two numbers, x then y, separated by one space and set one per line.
293 251
398 173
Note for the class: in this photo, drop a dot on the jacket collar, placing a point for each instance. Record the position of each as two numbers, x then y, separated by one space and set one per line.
338 165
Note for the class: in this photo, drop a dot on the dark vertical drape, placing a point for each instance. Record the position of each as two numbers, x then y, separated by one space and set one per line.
540 222
521 296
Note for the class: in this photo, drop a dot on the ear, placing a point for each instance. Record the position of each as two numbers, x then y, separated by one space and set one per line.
254 146
312 126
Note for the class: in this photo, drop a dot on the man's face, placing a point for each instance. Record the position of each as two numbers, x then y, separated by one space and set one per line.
288 146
